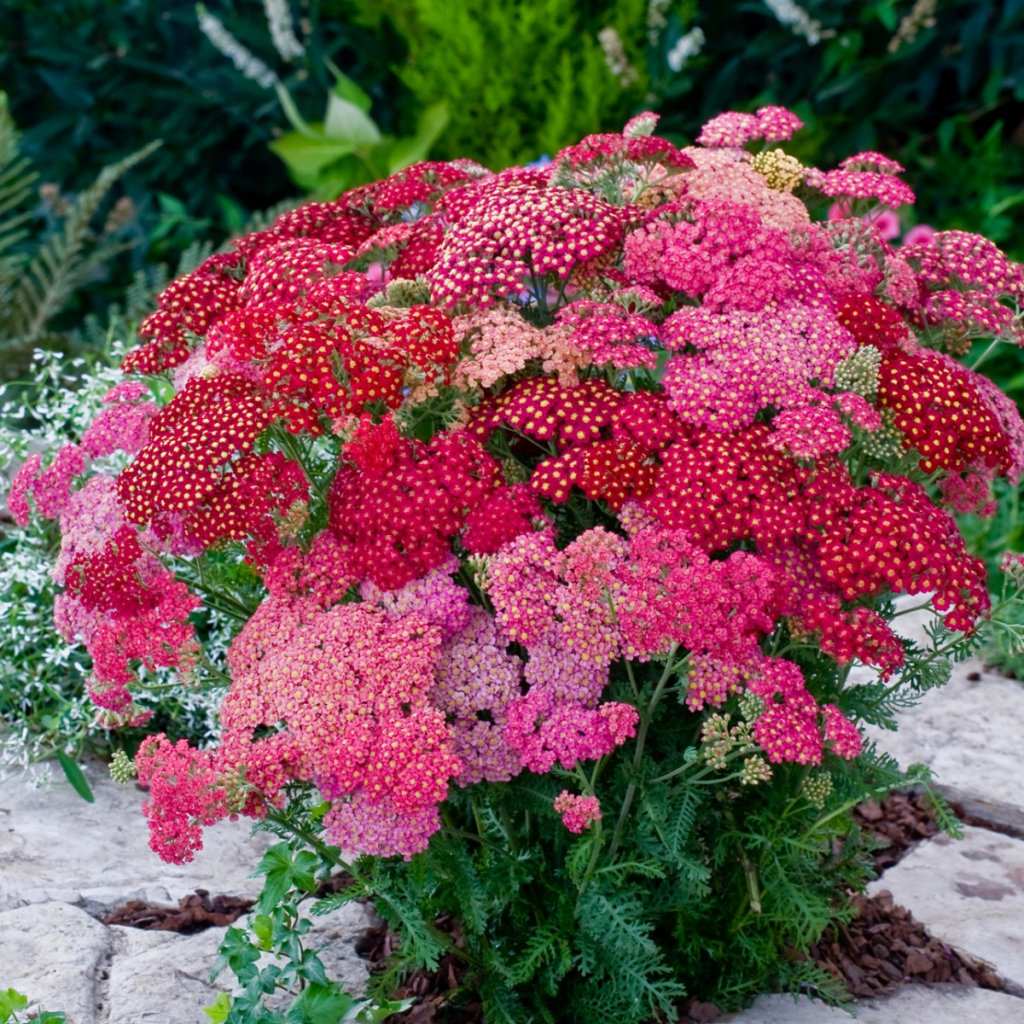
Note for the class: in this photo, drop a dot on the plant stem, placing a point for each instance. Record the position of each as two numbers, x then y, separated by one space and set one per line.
595 853
641 738
984 355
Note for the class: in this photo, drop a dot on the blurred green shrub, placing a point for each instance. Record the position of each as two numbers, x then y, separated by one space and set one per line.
520 79
91 80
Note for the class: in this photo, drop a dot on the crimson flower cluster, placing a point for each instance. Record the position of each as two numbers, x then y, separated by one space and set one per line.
494 444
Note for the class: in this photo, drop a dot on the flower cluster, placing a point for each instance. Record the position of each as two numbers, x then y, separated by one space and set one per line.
504 458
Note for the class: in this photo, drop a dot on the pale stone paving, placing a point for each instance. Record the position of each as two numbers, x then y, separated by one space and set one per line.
64 863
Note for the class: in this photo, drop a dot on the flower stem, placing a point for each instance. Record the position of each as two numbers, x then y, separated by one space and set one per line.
641 738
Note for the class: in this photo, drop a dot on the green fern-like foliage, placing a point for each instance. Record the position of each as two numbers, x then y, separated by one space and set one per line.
40 275
713 888
16 181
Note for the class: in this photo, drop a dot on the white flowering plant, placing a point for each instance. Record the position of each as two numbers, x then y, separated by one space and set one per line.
44 708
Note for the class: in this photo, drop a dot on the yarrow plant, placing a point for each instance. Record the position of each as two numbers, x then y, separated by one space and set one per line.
553 508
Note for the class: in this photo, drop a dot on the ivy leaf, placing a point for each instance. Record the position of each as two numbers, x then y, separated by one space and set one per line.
312 968
238 953
10 1001
304 870
320 1004
263 926
219 1009
75 777
276 865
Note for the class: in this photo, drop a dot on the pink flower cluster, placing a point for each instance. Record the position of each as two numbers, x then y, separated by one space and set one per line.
491 443
578 812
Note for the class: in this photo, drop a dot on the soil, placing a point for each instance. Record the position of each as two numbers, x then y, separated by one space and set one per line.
882 947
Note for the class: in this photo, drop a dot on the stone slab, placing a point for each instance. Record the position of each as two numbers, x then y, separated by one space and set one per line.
336 935
56 955
910 1004
56 846
970 894
968 732
161 977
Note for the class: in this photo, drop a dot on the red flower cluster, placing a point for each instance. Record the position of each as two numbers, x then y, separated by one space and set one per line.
397 401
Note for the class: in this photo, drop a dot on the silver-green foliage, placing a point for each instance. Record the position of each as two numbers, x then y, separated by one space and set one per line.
44 708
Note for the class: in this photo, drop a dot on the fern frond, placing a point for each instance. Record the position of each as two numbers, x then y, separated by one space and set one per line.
58 268
16 181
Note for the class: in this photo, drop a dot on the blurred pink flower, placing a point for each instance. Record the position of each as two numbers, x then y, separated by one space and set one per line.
887 222
918 233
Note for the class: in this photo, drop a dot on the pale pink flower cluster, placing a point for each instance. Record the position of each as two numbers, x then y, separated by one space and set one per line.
886 189
728 175
501 343
50 486
123 423
734 129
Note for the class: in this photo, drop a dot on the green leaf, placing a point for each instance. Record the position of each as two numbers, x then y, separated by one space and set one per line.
374 1013
75 777
291 111
263 926
238 953
10 1001
219 1009
306 156
317 812
320 1004
276 865
303 870
345 122
312 968
347 89
405 152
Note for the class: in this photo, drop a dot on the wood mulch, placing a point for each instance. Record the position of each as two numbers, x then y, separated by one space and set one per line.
193 914
901 821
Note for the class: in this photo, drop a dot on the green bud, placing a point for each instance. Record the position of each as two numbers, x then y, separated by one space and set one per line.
754 771
817 788
859 372
781 171
122 768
